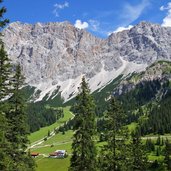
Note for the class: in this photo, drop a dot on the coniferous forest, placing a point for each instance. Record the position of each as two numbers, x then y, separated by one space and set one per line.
123 149
113 132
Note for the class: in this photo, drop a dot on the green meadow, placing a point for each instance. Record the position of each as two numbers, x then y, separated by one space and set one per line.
63 141
57 142
43 132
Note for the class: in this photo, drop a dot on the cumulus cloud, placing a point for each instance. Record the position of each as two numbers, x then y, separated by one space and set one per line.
167 19
58 7
81 25
123 28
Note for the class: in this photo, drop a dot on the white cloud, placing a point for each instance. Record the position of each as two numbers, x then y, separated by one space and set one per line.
129 14
132 12
167 19
162 8
94 25
62 6
98 27
58 7
81 25
119 29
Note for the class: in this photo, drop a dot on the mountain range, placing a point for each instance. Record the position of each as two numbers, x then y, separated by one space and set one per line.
55 56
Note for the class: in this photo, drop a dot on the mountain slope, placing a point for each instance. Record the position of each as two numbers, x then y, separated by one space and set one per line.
146 98
55 56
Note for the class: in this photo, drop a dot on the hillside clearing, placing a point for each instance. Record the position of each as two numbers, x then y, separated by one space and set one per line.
39 135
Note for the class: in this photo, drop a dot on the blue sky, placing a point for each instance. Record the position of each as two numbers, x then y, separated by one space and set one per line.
101 17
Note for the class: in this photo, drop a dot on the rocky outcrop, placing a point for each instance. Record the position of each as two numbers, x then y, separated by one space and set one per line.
56 51
56 55
159 72
144 43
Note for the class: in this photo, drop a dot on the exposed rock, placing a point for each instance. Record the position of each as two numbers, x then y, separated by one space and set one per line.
59 53
159 71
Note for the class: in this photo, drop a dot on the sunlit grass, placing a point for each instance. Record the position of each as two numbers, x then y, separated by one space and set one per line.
43 132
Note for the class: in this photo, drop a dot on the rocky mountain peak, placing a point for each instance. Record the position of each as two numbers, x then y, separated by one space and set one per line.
56 55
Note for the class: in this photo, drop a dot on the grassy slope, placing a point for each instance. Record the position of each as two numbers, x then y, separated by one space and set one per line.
44 131
60 142
60 138
47 164
63 142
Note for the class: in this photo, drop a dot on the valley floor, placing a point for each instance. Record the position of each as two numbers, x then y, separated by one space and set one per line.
63 141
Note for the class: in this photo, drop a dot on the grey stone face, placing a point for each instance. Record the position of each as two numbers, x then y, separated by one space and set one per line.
59 51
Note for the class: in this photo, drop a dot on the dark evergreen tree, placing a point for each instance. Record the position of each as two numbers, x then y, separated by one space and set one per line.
149 145
37 115
158 150
17 123
158 141
4 92
167 154
5 161
84 151
138 156
112 156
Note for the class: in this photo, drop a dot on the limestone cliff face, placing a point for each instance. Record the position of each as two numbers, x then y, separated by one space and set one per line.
56 55
53 50
144 43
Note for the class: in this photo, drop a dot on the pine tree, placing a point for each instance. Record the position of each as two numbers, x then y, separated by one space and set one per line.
158 141
84 151
167 154
149 145
18 130
112 156
4 92
138 156
5 161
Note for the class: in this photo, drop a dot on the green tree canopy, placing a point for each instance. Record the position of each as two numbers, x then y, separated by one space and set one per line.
84 151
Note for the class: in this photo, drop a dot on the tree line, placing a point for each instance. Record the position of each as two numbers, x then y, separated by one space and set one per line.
151 100
38 115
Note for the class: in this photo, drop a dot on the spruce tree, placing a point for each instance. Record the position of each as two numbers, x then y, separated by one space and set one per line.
113 155
5 161
17 123
84 151
138 155
167 154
